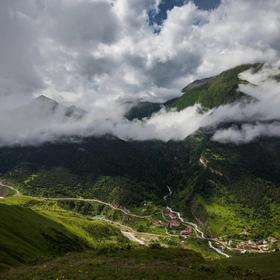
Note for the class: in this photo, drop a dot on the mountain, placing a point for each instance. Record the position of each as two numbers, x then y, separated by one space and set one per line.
214 91
223 200
143 110
209 92
225 187
232 188
42 108
214 184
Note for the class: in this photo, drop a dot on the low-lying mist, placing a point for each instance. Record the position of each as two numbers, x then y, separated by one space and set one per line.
44 120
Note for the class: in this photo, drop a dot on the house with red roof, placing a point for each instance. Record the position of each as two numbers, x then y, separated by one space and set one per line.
186 232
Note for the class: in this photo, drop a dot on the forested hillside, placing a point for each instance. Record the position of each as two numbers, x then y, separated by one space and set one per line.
227 188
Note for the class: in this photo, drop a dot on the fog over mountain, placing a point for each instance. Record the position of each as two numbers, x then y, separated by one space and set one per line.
103 56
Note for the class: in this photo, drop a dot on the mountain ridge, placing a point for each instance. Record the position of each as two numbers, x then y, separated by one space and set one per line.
209 92
43 107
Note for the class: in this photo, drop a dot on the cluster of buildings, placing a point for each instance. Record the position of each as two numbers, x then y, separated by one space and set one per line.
174 222
260 246
186 232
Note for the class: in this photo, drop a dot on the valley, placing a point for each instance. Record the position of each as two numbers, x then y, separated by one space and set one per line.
139 140
172 222
200 204
111 249
142 238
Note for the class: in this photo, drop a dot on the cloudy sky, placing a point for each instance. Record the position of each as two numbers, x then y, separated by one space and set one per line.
103 54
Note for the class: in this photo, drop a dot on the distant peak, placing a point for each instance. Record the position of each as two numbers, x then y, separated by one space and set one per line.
44 98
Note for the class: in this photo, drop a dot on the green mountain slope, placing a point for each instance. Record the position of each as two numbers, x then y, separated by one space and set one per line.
231 189
27 235
237 190
209 92
39 228
32 230
214 91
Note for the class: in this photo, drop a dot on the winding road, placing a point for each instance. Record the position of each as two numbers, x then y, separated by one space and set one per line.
126 212
17 193
130 235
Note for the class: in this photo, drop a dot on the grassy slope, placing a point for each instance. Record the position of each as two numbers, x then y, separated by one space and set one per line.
46 218
26 235
266 265
136 264
31 229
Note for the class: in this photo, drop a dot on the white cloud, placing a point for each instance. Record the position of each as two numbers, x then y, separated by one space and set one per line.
19 55
247 133
263 113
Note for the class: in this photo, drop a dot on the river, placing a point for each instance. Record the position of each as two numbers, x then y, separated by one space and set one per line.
199 233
